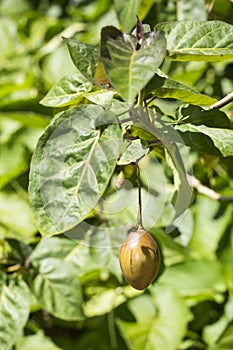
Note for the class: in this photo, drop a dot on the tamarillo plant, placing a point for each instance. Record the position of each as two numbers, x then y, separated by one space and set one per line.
111 183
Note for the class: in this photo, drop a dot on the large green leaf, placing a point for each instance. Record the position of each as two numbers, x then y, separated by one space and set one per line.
221 138
72 165
198 40
84 57
126 12
196 280
57 288
168 88
209 227
14 312
165 313
67 91
127 68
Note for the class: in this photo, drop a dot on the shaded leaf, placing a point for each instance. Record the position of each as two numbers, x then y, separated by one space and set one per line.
209 227
36 341
221 138
66 91
14 312
133 152
72 165
212 333
198 40
84 57
198 280
127 68
157 316
178 158
57 289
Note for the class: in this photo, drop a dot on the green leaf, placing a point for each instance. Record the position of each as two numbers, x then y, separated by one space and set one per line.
72 165
209 227
169 88
36 341
213 332
12 162
52 247
84 57
152 327
127 68
177 155
197 116
15 216
198 40
14 312
101 97
57 288
221 138
29 119
67 91
191 9
134 150
196 280
126 12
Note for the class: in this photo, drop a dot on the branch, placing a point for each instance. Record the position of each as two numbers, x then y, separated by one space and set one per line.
194 182
223 102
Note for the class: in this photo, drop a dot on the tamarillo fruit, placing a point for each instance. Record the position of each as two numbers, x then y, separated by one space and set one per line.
139 258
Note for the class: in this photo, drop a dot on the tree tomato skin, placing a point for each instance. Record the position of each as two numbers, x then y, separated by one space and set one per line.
139 259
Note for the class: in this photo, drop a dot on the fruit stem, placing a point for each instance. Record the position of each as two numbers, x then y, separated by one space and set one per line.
139 219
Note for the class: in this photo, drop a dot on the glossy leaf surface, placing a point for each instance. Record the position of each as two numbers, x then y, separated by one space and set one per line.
127 68
72 165
14 311
198 40
67 91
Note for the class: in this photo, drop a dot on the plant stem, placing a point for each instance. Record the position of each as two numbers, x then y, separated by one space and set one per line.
141 97
139 219
194 182
223 102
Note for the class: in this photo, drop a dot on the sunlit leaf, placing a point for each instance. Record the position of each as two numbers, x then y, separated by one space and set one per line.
66 91
14 312
57 288
84 57
12 162
15 216
198 40
72 165
169 88
194 9
126 12
129 69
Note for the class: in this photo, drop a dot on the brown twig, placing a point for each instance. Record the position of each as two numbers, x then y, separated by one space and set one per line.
223 102
194 182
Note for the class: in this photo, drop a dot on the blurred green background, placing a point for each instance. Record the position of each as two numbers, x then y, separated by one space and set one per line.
191 307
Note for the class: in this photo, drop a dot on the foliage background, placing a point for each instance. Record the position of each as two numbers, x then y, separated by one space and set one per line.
190 306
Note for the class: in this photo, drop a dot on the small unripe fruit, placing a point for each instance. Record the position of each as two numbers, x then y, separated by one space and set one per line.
139 259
